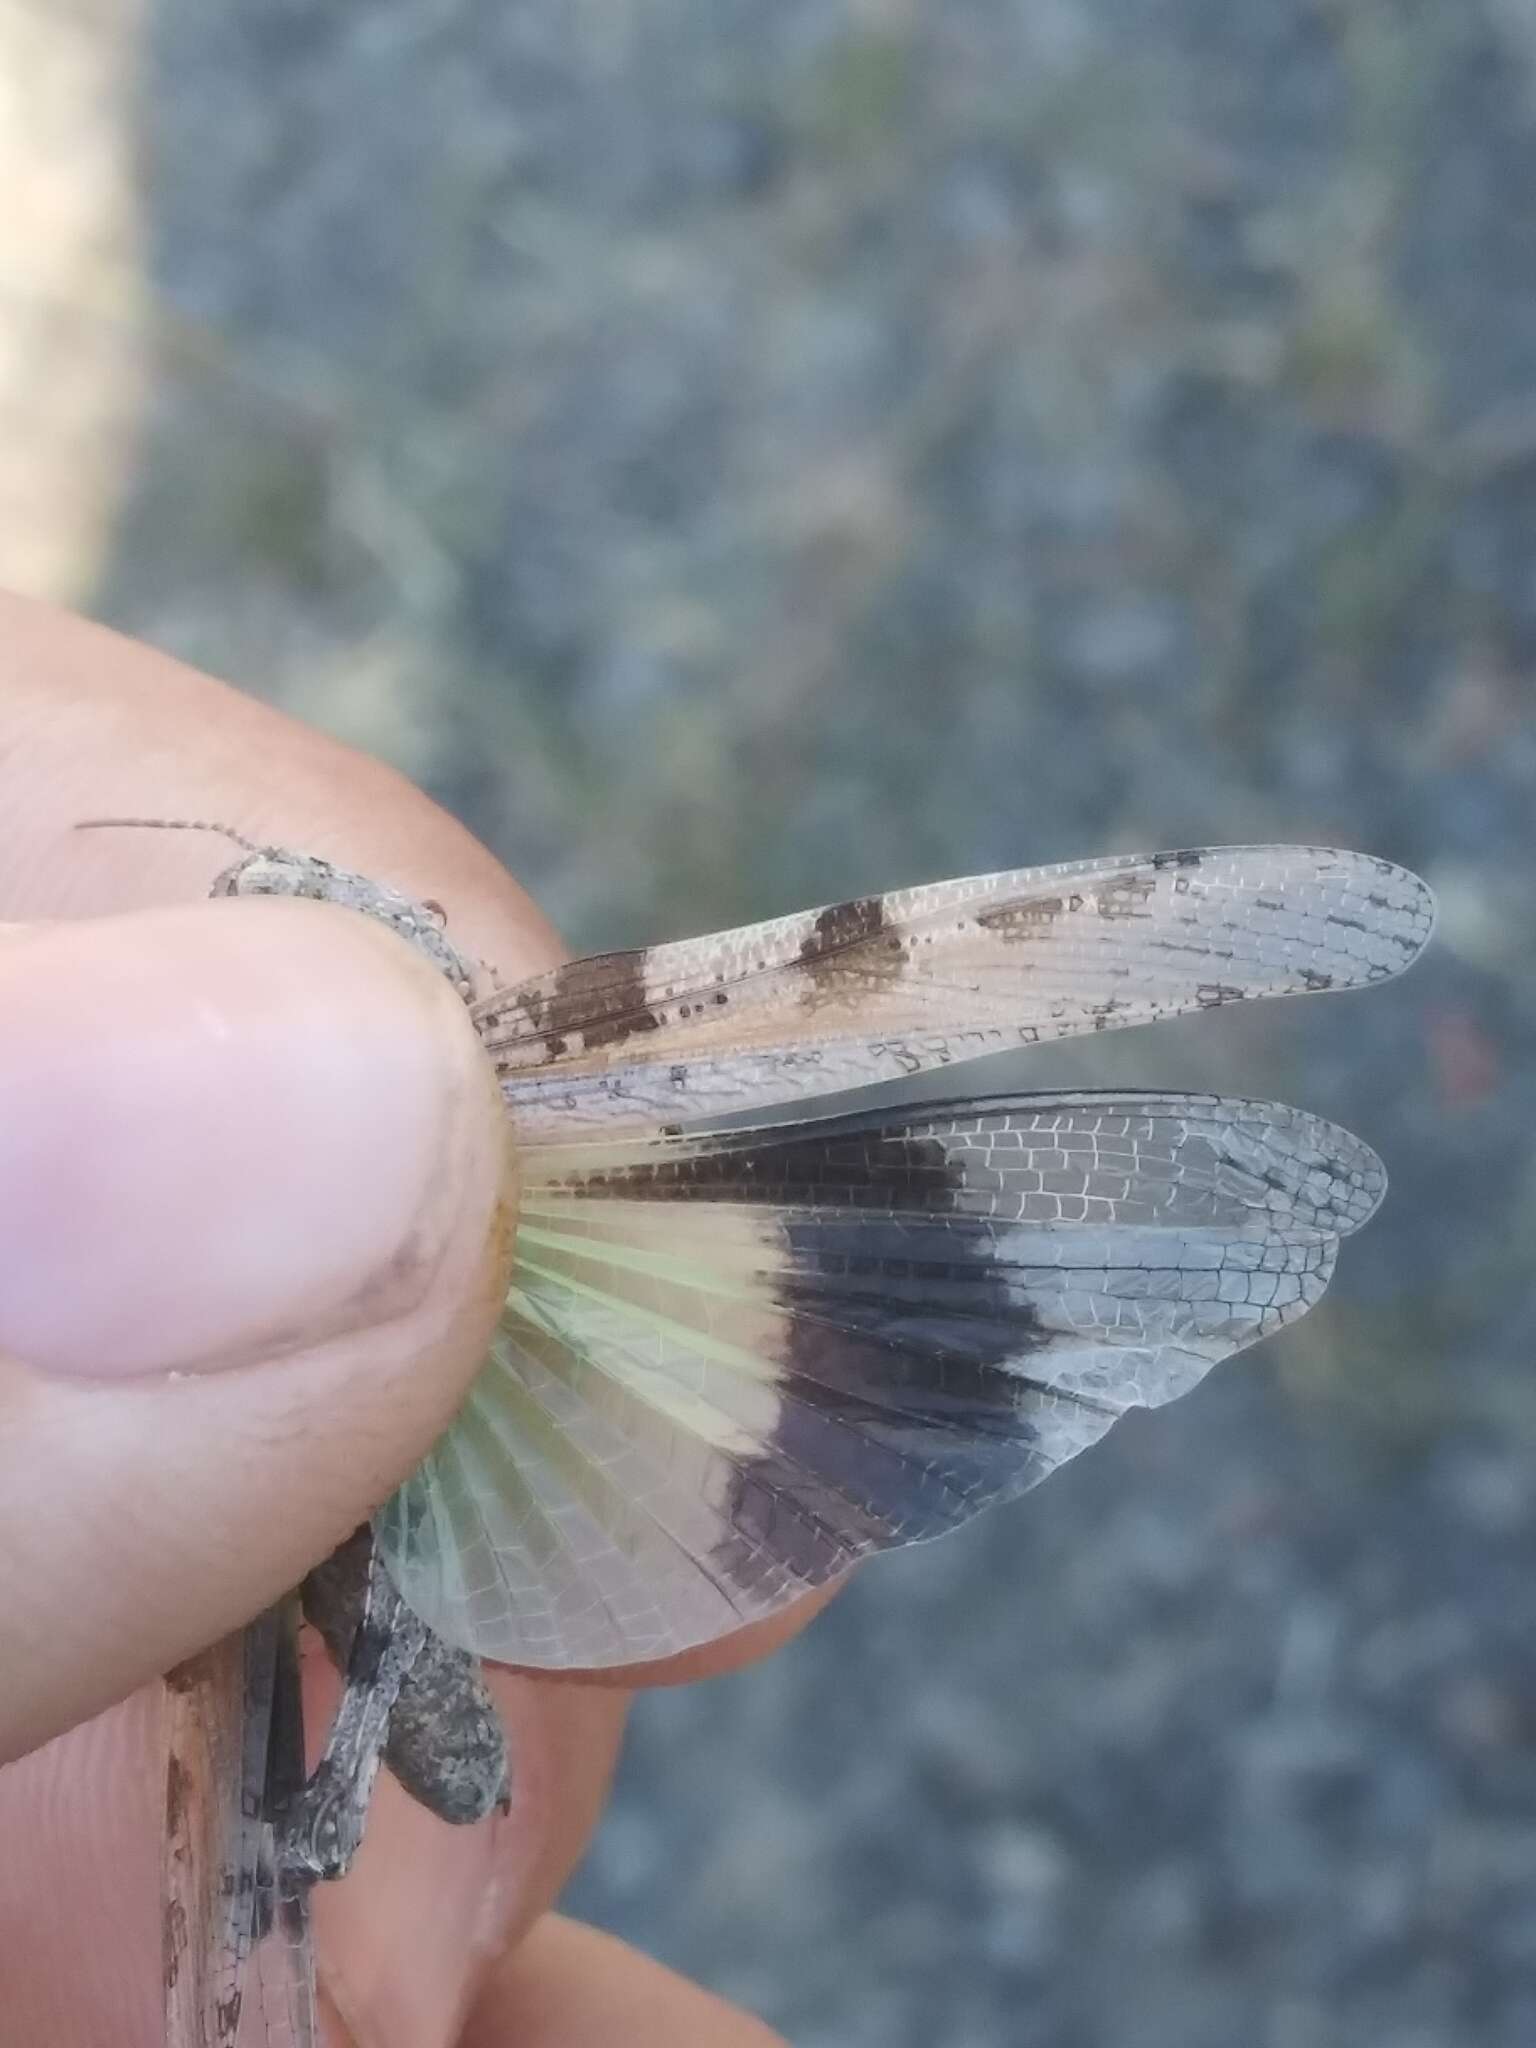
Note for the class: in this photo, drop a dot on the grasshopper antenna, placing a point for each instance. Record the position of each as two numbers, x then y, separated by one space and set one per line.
166 825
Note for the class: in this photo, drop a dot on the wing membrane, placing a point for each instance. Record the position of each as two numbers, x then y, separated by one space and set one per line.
732 1364
887 986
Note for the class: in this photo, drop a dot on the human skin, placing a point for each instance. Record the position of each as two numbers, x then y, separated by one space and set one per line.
321 1306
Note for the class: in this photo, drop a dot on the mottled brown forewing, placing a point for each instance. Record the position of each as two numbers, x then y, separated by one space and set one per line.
887 987
210 1849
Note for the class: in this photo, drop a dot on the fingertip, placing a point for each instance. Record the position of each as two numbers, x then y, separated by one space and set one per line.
227 1132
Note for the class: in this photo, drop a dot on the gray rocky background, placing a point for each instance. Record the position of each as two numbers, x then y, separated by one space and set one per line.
742 454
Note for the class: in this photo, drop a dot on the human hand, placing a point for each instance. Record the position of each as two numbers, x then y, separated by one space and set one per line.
252 1186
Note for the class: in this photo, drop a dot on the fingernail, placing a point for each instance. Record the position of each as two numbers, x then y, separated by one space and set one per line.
227 1132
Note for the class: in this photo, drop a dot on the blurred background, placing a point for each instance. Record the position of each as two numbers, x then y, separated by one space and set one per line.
738 456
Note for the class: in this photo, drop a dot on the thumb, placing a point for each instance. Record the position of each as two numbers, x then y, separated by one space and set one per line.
254 1191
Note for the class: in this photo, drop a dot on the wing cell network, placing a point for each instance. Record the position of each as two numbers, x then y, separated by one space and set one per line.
732 1364
884 987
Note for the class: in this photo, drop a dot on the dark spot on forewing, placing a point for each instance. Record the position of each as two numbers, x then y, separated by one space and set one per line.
843 924
1185 857
1032 917
1022 917
602 1000
1125 895
848 946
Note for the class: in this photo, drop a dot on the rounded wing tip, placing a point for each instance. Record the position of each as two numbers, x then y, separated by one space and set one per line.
1374 917
1364 1175
1395 901
1428 906
1393 908
1329 1179
1343 1176
1388 887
